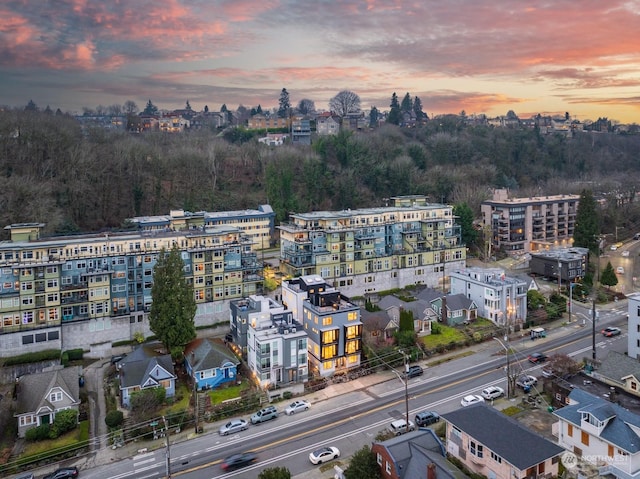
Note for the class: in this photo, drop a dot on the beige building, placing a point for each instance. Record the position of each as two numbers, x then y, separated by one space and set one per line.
522 225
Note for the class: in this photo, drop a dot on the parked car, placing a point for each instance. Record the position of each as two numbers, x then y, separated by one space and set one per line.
614 247
492 392
537 358
63 473
471 399
236 461
548 372
324 454
425 418
28 475
620 270
264 414
610 331
526 381
235 425
399 426
297 406
414 371
625 253
116 358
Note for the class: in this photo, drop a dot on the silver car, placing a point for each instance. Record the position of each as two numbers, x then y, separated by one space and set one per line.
235 425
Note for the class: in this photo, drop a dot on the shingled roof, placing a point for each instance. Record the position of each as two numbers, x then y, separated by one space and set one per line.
204 354
33 389
145 367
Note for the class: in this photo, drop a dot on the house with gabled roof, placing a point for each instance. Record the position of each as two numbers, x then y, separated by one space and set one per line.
601 433
416 454
621 371
40 396
378 327
420 309
492 444
146 367
209 363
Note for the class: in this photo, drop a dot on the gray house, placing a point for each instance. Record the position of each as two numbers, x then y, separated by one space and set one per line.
40 396
146 368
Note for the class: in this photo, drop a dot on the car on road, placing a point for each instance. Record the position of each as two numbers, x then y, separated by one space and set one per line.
297 406
614 247
492 392
526 381
324 454
63 473
235 425
610 331
620 270
548 372
264 414
236 461
537 358
414 371
625 253
471 399
399 426
425 418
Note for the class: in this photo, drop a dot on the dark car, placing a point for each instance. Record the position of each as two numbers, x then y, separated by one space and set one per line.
536 358
63 473
425 418
236 461
611 331
414 371
116 358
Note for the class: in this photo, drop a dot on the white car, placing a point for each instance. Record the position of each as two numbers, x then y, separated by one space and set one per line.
235 425
296 406
620 270
625 253
526 381
471 399
492 392
324 454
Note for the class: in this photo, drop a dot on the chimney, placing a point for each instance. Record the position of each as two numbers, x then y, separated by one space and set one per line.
431 471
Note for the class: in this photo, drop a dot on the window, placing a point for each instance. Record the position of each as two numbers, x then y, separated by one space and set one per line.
352 347
379 459
354 332
55 396
329 351
327 321
330 336
585 438
476 449
496 458
388 467
570 430
352 316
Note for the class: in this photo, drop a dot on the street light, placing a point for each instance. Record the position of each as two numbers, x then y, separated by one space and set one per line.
404 379
506 350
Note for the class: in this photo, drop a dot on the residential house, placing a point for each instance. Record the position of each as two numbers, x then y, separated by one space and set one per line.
524 225
250 311
378 327
146 368
633 313
601 433
489 443
564 264
499 298
327 124
274 139
41 396
300 131
457 307
210 363
418 454
419 309
262 122
620 371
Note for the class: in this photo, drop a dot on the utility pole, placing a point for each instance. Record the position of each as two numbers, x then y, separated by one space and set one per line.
406 386
593 332
168 450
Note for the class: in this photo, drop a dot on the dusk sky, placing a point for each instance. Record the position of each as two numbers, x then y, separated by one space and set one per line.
480 56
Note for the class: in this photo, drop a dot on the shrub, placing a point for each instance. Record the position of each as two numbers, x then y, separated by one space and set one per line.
138 337
38 433
287 395
45 355
65 421
114 419
75 354
65 359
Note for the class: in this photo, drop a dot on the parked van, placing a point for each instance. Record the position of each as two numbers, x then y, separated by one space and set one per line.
538 333
399 426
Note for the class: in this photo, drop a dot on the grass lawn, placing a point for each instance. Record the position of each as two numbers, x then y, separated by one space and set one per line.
229 392
448 334
184 394
79 436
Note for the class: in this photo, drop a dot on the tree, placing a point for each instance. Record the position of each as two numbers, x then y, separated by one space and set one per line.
417 109
65 420
394 114
275 473
608 276
345 102
188 106
284 104
31 106
130 107
306 106
114 419
206 108
406 320
363 464
407 103
150 109
465 219
587 223
173 306
373 117
535 300
562 365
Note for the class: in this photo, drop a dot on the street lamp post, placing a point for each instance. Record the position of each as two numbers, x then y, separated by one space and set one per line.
506 350
404 379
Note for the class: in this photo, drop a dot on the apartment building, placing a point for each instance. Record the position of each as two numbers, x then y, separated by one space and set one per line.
91 290
262 122
563 264
499 298
258 225
272 341
331 321
633 326
523 225
374 249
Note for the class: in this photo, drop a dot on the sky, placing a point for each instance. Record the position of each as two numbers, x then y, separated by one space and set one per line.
477 56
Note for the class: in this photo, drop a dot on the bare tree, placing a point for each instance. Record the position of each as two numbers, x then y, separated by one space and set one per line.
130 107
345 102
114 110
306 106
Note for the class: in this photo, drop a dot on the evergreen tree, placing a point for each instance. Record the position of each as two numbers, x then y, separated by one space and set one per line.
374 114
31 106
275 473
608 276
407 104
206 108
150 109
363 464
259 110
587 223
406 320
173 306
465 219
417 109
284 104
188 106
394 114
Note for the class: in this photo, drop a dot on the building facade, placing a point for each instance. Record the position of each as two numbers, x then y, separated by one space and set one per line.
331 321
563 264
633 339
499 298
374 249
523 225
92 290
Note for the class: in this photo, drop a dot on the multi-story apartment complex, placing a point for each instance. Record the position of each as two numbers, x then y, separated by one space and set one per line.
272 341
330 320
633 326
257 225
522 225
88 291
261 122
563 264
499 298
374 249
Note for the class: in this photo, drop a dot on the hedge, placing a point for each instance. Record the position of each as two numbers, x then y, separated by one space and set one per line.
35 357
